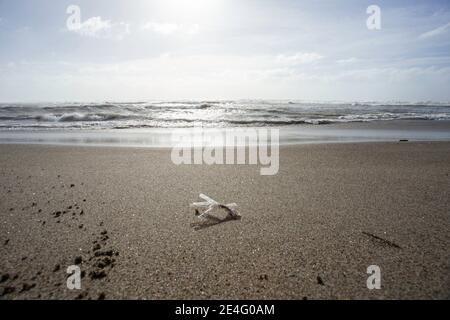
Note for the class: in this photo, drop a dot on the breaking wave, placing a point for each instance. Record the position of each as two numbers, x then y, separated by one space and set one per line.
243 113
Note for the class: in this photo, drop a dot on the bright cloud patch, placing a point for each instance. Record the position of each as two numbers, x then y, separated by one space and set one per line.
299 58
347 61
96 27
435 32
171 28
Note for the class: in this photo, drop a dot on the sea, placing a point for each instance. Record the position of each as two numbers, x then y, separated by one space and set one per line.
150 123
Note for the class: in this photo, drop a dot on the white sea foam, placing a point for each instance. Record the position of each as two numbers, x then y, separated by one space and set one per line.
211 114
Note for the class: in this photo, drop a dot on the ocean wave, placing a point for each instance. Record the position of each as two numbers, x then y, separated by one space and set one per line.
243 113
75 117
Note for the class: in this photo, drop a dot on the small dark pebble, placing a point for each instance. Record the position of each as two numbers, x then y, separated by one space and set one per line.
102 296
57 268
320 281
4 277
263 277
81 296
103 263
6 242
7 290
97 274
104 232
78 260
27 287
107 253
80 226
96 247
72 185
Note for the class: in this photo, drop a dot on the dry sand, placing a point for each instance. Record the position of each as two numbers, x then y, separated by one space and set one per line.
309 232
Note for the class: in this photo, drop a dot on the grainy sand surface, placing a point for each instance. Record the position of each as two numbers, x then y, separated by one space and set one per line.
311 231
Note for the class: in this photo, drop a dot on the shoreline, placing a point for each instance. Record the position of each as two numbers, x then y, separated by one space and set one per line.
169 148
311 231
378 131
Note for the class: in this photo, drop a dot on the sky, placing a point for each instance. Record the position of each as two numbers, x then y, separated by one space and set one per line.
144 50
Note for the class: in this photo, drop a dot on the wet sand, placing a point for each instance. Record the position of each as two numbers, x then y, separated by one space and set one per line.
376 131
311 231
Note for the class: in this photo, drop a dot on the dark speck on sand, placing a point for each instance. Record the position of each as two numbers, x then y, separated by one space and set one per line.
78 260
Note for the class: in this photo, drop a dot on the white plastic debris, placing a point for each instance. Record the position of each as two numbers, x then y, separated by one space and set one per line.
210 204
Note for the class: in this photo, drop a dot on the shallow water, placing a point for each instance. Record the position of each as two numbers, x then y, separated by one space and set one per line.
417 130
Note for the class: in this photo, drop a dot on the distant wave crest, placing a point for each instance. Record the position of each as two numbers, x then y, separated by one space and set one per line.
74 117
243 113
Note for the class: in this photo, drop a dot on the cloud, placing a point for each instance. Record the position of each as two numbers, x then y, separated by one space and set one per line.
299 58
435 32
348 61
213 76
96 27
171 28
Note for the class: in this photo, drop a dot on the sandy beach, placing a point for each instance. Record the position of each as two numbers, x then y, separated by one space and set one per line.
309 232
